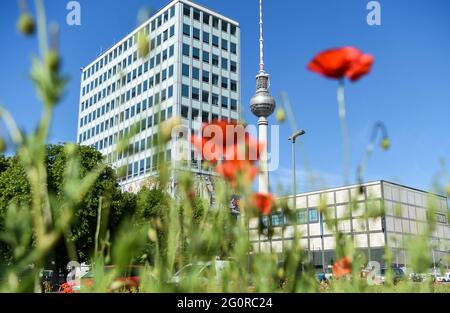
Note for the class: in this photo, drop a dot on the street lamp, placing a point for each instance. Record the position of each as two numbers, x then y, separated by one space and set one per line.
292 139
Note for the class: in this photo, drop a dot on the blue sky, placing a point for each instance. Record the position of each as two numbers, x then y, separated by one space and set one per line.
408 89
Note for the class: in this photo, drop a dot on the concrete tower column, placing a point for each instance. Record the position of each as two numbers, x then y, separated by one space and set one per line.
263 178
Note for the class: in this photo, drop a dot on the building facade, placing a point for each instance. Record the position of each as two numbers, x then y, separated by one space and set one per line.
192 72
403 215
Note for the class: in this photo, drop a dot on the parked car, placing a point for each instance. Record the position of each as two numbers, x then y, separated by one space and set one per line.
397 275
128 280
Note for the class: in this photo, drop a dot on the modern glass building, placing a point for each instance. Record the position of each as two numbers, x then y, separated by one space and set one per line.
403 215
191 72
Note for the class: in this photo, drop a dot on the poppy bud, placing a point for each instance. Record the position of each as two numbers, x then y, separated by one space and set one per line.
143 45
2 145
52 60
385 144
280 115
25 24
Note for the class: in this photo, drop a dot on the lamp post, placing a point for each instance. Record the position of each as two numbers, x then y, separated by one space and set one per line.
293 139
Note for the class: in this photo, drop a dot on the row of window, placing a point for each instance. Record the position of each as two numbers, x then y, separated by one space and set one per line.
131 94
214 59
157 22
206 38
194 94
146 165
126 114
303 216
206 18
137 72
195 113
207 77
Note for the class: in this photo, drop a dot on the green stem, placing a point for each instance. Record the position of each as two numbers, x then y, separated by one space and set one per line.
344 129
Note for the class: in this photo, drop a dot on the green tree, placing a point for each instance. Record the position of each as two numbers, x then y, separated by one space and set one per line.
80 240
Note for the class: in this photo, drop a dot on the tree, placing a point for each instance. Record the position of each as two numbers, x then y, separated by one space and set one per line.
14 188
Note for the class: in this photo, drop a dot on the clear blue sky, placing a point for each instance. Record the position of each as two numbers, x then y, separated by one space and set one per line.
409 88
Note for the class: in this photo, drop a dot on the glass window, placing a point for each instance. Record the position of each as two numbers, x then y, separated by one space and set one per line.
215 41
205 76
233 85
233 48
224 82
186 50
276 219
195 73
224 26
233 66
215 79
196 33
302 216
215 22
196 15
186 10
186 30
206 37
185 70
224 102
185 91
195 93
224 64
196 53
224 44
205 96
215 60
215 99
184 111
205 18
205 57
313 216
233 104
233 30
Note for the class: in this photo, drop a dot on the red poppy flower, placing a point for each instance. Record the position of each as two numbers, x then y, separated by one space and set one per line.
342 267
342 62
228 140
263 202
231 170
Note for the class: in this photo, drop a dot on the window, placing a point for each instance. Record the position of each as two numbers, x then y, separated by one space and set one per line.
186 30
233 85
185 91
215 22
186 10
205 57
224 26
233 48
172 31
196 15
224 64
206 37
224 102
277 219
215 60
195 73
170 92
215 99
233 66
215 79
313 216
224 82
205 76
184 111
185 70
215 41
196 33
233 104
233 30
195 93
205 18
205 96
224 44
186 49
196 53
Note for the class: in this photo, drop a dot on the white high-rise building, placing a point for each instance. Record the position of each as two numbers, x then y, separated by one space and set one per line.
191 72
